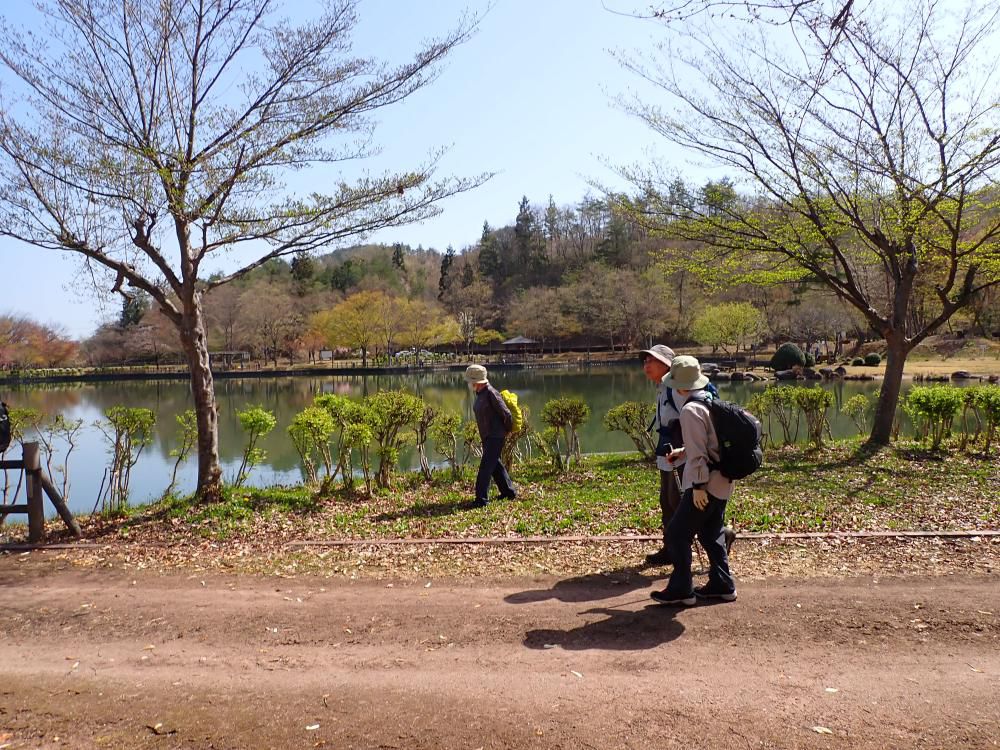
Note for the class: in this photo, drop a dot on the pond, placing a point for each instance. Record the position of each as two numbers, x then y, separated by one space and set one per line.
601 388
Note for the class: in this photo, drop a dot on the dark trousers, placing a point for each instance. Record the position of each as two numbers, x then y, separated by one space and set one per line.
670 497
707 525
491 468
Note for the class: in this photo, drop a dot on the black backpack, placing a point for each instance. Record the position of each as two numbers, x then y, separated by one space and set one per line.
4 427
739 433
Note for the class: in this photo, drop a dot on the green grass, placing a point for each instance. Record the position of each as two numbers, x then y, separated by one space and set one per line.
837 489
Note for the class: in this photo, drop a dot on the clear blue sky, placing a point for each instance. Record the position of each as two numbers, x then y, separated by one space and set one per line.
530 96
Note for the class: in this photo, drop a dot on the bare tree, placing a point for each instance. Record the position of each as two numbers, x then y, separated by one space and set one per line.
151 136
874 160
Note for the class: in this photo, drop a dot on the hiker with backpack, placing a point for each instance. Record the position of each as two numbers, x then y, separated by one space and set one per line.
721 443
656 365
494 421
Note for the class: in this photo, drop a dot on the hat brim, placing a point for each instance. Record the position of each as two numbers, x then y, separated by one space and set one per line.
476 381
687 385
658 357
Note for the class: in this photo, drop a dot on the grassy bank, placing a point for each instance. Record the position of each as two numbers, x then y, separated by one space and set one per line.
837 489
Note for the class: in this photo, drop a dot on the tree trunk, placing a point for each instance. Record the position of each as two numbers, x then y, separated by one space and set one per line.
885 410
195 343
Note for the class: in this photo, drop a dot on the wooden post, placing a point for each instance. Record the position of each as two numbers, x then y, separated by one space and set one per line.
36 510
61 507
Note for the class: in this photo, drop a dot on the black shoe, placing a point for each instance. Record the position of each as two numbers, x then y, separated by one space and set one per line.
730 538
709 592
509 497
660 557
478 503
672 600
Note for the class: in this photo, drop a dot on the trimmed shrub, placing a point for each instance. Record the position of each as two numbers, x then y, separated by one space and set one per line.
445 430
788 356
810 360
858 362
389 413
256 422
873 360
632 418
933 409
814 402
857 409
565 415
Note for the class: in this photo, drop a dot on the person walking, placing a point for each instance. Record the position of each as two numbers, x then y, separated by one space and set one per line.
656 365
706 491
494 421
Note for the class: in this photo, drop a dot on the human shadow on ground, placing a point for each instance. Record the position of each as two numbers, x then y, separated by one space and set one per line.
593 586
620 630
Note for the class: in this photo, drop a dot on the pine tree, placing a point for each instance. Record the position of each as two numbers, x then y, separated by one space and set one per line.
444 283
398 257
489 256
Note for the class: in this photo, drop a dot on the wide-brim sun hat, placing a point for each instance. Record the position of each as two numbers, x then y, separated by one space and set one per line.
685 373
663 353
475 374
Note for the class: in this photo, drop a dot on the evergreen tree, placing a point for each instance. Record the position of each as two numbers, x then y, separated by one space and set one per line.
398 257
303 271
444 283
346 275
468 275
551 221
134 308
489 255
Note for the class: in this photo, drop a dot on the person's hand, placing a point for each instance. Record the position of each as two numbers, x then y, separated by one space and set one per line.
700 498
675 455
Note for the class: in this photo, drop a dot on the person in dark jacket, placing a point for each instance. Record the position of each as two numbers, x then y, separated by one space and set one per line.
494 421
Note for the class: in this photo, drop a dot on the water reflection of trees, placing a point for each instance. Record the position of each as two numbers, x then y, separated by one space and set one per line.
602 388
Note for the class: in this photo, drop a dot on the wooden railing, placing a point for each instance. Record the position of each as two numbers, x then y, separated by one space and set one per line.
35 483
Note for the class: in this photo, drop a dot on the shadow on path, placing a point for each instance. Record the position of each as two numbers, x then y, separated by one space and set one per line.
620 630
590 587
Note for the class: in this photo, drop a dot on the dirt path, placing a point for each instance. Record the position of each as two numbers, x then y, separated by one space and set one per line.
104 659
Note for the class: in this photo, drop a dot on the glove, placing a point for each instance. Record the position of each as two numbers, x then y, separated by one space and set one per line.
700 498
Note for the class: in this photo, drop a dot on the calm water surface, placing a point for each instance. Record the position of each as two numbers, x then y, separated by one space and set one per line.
601 387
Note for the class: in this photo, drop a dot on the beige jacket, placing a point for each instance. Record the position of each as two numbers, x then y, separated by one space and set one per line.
701 448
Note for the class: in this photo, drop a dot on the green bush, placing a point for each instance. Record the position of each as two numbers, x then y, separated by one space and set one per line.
873 360
129 430
933 410
814 402
810 360
777 402
445 430
390 412
310 432
985 403
256 422
857 409
633 418
565 415
788 356
858 362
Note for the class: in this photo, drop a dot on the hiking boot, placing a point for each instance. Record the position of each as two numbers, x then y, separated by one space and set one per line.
673 600
730 535
478 503
660 557
509 497
709 592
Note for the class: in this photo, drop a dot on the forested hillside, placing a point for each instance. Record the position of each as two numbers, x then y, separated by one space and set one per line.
587 273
